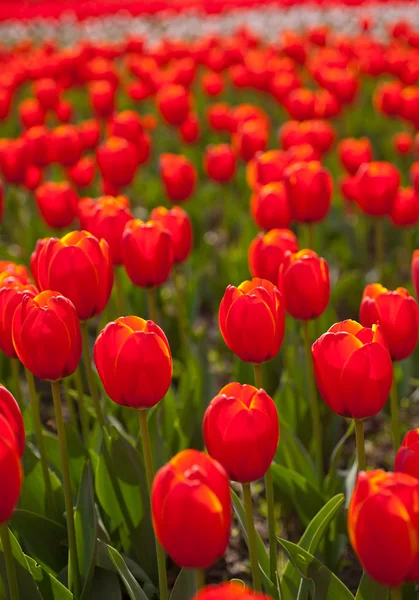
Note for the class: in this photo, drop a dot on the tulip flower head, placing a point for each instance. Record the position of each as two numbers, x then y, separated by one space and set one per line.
12 291
46 335
407 457
191 509
252 320
267 253
177 222
178 176
353 369
389 554
397 312
220 162
241 416
309 189
12 444
11 415
57 203
79 266
303 280
270 207
377 183
134 362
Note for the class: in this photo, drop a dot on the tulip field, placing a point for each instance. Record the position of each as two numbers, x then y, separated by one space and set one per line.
209 283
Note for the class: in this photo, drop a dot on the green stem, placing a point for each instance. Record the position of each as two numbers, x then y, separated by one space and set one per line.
89 373
315 411
182 319
251 535
200 578
395 415
10 562
84 415
74 575
119 295
396 593
149 469
70 404
15 363
270 499
360 444
379 244
152 309
257 372
36 417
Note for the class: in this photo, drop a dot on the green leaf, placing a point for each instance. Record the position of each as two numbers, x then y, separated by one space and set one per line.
324 584
77 453
49 586
25 579
185 586
330 482
132 586
369 589
85 522
45 540
296 457
105 585
307 499
310 541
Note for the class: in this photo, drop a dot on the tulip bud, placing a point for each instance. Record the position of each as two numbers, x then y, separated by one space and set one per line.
388 554
176 221
403 142
13 159
38 149
174 103
267 253
65 145
251 137
229 591
83 172
47 92
147 252
77 265
252 320
212 84
353 369
309 189
134 362
190 130
241 416
301 103
378 183
270 207
46 335
191 509
304 283
12 291
117 160
353 153
102 98
178 176
405 209
57 203
89 134
407 457
397 312
31 113
220 162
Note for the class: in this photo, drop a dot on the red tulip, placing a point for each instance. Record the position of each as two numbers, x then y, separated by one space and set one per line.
309 189
134 362
65 145
77 265
252 320
403 142
407 457
212 84
266 167
47 92
102 98
127 125
117 160
405 210
241 416
251 137
89 134
31 113
353 153
147 252
12 291
377 183
176 221
267 253
270 207
174 103
11 419
353 369
13 160
397 312
57 203
10 269
46 335
220 162
83 172
189 130
197 535
229 591
220 117
178 176
301 103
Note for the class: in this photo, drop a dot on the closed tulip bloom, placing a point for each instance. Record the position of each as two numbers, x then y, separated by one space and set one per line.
229 591
251 137
178 176
397 312
267 253
89 134
102 98
353 369
46 335
31 113
191 509
64 111
378 183
13 159
305 285
220 162
83 172
353 153
266 167
403 142
407 457
79 266
134 362
301 104
11 269
220 117
147 252
388 98
270 207
12 291
388 554
174 103
47 92
177 222
252 320
309 189
106 218
405 210
126 124
212 84
38 146
57 202
10 412
117 160
65 145
241 416
190 129
33 178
